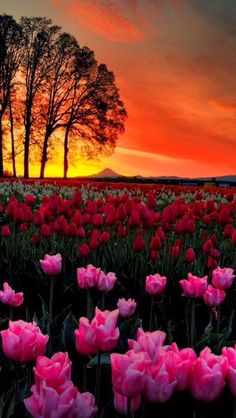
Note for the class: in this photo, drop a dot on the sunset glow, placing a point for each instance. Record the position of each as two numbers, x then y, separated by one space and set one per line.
175 70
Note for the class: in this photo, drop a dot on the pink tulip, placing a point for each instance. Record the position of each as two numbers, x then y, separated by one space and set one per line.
23 341
121 403
55 371
230 354
128 373
87 277
160 383
194 286
183 363
126 307
9 297
148 342
84 406
222 278
105 282
213 297
104 324
51 264
208 376
155 284
85 338
48 403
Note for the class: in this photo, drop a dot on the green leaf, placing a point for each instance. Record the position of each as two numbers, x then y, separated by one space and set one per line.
68 329
105 359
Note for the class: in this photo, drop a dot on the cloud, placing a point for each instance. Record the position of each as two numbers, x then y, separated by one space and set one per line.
117 21
223 106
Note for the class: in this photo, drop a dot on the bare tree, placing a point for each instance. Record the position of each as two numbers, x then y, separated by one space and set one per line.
39 37
59 85
10 56
96 115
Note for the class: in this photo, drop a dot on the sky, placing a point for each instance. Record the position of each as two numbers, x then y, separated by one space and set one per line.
174 63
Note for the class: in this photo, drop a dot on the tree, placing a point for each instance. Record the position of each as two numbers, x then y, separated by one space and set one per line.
52 88
39 37
59 85
10 57
96 115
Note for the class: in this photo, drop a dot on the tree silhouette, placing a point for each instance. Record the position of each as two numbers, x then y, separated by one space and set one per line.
64 93
38 36
10 56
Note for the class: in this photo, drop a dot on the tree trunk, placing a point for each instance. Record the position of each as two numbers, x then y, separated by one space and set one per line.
66 149
1 148
12 140
27 137
44 152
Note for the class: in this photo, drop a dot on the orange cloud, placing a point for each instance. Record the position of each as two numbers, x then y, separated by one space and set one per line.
223 106
107 18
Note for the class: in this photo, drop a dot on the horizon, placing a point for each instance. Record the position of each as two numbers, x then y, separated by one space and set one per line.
177 86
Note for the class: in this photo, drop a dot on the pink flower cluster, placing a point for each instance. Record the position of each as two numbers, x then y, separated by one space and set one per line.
54 395
101 334
9 297
23 341
94 277
213 294
153 370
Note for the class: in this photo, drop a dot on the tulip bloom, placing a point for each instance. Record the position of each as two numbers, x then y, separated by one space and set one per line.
222 278
23 341
121 403
85 338
189 255
51 264
9 297
230 354
55 371
129 373
195 286
155 284
213 297
84 406
104 324
160 383
105 282
101 334
87 277
126 307
208 376
148 342
47 402
5 231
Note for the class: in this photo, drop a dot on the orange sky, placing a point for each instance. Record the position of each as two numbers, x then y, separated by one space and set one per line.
174 64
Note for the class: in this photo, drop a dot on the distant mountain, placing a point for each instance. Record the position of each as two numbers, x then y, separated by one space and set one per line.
106 173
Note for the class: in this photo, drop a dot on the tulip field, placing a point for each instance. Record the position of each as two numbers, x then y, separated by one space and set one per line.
117 300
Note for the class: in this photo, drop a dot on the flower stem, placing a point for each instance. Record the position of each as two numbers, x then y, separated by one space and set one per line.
234 410
16 383
129 408
10 313
151 313
97 385
218 320
51 300
192 327
103 301
88 305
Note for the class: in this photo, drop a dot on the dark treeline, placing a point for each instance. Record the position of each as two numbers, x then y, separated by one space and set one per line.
53 94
